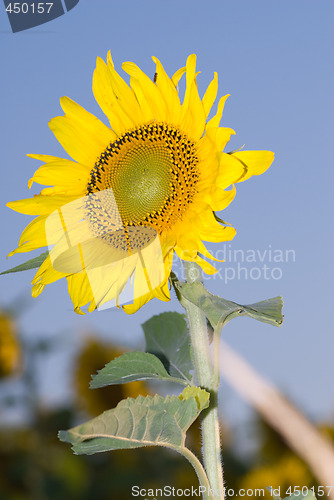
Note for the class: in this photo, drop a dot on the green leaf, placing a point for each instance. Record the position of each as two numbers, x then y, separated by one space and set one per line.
169 357
132 366
219 311
167 337
134 423
30 264
201 396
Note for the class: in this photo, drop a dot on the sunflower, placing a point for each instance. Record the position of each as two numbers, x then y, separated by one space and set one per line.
136 191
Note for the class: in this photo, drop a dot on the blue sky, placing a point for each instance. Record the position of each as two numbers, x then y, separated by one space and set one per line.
275 59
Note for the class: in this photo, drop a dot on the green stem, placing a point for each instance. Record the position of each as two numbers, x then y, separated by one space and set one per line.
208 379
202 477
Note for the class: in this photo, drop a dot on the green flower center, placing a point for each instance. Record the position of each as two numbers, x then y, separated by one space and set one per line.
150 178
141 181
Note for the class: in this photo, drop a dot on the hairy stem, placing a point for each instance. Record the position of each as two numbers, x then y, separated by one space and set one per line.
201 474
207 379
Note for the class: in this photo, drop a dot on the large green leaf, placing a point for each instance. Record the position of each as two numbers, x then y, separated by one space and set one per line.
30 264
219 311
132 366
167 337
134 423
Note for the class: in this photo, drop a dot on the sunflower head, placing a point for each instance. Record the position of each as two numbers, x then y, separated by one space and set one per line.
135 192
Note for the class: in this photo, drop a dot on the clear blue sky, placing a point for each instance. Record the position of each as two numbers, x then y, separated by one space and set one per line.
275 59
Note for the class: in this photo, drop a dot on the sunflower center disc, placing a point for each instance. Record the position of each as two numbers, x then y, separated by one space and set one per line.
141 181
152 174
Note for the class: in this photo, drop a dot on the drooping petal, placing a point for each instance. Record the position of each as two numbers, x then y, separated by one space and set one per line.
223 135
80 291
253 162
210 230
46 274
161 292
230 170
221 198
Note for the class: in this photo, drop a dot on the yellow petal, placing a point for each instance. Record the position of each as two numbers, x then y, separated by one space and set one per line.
191 247
36 229
190 77
61 172
108 282
45 158
230 170
210 95
78 190
192 256
33 237
28 247
161 292
168 92
211 230
121 88
145 107
37 290
206 266
178 75
83 136
223 135
113 95
193 115
253 162
215 120
46 273
80 291
39 204
124 94
148 89
221 198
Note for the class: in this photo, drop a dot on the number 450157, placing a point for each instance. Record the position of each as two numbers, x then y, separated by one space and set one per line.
25 8
319 491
